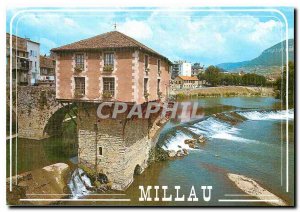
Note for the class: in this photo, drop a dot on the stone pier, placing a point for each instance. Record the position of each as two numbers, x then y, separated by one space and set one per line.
115 147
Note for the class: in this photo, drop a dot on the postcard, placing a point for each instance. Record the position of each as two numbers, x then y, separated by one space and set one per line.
150 107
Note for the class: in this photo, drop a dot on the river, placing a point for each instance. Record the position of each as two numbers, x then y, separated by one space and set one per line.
254 146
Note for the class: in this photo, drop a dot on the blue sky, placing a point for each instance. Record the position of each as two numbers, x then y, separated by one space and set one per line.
207 37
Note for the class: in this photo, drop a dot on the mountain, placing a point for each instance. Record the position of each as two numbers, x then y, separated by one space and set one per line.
269 59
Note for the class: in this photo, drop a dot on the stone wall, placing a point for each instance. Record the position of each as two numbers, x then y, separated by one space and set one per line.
35 107
125 144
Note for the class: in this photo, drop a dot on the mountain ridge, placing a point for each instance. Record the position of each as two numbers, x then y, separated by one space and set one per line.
271 57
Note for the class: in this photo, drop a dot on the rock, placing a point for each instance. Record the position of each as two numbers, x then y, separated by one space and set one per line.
172 153
190 141
185 151
179 146
49 180
179 153
201 141
192 145
252 188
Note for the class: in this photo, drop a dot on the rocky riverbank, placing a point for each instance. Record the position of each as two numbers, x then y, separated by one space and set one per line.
224 91
45 183
192 144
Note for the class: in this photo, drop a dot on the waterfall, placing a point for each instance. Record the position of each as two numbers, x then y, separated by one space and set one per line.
221 126
79 183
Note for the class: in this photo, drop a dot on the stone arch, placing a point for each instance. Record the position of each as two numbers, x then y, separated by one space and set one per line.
54 124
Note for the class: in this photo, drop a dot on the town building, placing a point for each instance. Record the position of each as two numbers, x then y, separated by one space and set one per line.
181 68
20 60
25 60
112 67
197 69
186 82
47 71
33 49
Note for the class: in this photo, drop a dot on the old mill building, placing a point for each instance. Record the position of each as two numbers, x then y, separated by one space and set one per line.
116 68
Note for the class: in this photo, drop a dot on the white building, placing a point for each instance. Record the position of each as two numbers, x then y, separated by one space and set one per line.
33 49
181 68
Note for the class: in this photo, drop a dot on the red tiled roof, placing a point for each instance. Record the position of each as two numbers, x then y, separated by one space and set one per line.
188 78
109 40
46 62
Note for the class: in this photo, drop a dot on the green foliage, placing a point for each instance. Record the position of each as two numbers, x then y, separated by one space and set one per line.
214 77
97 183
157 154
91 173
280 85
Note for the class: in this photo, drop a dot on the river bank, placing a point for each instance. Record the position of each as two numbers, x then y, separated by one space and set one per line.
223 91
244 136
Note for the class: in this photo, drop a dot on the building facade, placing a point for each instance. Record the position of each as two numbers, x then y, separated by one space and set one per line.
17 57
47 71
197 69
24 58
185 82
33 49
112 67
181 68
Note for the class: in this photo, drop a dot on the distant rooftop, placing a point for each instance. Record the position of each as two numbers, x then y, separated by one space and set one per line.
188 78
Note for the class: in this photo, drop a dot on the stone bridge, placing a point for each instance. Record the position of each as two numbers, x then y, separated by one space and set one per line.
39 115
116 148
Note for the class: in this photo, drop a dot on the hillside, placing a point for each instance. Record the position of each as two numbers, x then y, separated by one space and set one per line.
267 62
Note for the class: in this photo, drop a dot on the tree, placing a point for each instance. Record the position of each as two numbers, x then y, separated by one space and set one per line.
280 85
212 75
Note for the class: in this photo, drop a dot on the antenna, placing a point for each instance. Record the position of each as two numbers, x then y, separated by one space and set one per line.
115 26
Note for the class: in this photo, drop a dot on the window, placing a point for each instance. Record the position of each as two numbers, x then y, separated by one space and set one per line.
79 60
108 59
79 86
158 86
109 85
146 61
158 65
100 150
145 86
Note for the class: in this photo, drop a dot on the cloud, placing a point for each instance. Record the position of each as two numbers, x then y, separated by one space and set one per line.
209 38
46 45
136 29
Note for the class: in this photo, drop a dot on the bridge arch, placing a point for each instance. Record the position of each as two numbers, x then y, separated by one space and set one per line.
39 114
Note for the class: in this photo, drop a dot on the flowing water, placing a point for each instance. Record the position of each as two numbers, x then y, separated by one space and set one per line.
245 135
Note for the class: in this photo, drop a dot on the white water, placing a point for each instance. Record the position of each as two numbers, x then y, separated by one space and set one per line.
214 128
268 115
77 183
217 129
177 140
